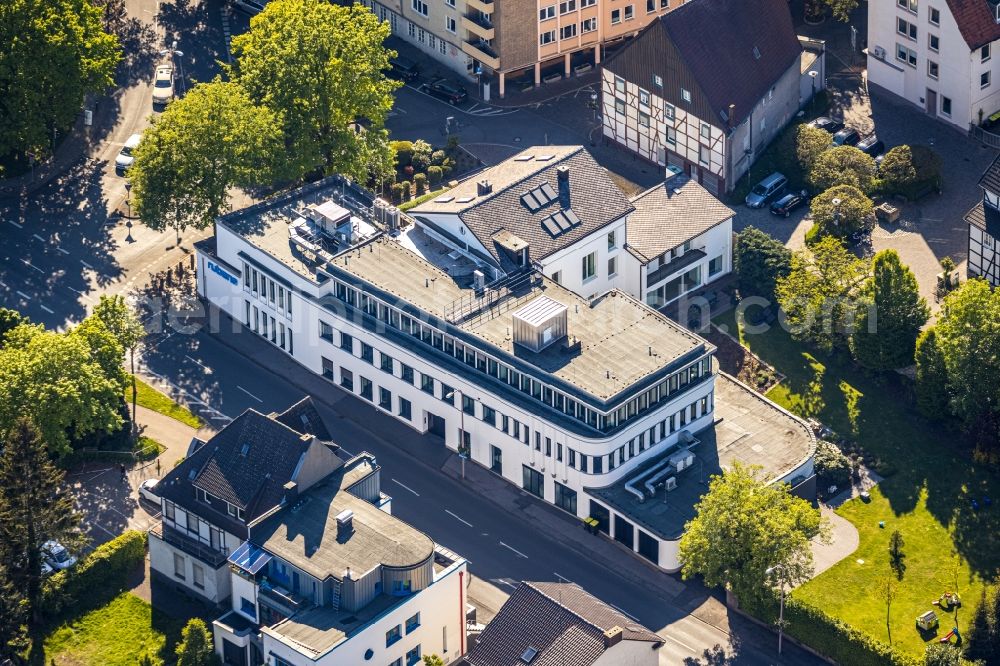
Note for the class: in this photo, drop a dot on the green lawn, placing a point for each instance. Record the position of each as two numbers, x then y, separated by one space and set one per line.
116 634
150 398
928 497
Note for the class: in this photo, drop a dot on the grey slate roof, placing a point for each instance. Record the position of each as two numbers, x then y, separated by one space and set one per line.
986 218
671 213
593 197
562 621
303 417
991 177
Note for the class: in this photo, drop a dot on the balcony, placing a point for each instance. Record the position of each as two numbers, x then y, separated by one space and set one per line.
484 6
281 598
482 52
478 26
210 556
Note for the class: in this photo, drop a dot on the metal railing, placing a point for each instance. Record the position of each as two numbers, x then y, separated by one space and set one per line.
210 556
988 138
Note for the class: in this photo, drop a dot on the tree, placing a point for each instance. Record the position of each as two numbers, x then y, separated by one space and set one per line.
810 143
932 376
968 335
9 320
742 527
896 555
887 326
760 260
320 67
818 296
55 52
35 506
886 588
943 654
204 144
850 212
125 324
982 638
13 630
843 165
897 168
433 660
195 648
54 380
841 9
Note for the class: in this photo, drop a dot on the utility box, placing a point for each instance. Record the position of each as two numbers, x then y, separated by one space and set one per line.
540 323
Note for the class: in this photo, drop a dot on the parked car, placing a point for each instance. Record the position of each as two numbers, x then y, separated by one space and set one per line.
46 569
147 491
57 556
786 204
766 190
125 157
846 137
163 85
871 145
453 94
403 69
829 124
252 7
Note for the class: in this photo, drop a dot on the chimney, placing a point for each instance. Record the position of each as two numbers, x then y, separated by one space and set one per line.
562 175
732 114
291 492
612 637
345 524
484 187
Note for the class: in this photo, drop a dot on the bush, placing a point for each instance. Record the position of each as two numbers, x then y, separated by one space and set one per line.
405 192
404 152
100 575
397 192
419 183
452 145
843 165
911 171
413 203
421 155
438 157
850 214
759 260
814 234
810 143
832 467
434 174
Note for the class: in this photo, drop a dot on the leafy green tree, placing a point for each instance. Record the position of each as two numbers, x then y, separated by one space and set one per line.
841 9
897 168
968 335
897 558
846 216
9 320
195 648
54 380
888 323
886 589
104 349
982 638
818 297
843 165
760 261
932 376
810 143
320 67
744 526
204 144
35 506
433 660
124 323
13 628
54 53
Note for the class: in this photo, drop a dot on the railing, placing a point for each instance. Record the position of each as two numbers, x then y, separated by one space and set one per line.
988 138
213 557
282 597
492 297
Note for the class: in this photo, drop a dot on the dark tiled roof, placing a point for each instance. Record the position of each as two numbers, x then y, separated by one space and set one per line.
671 213
563 622
986 218
303 417
976 21
991 177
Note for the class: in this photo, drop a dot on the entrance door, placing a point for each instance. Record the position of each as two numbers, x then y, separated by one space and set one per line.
931 102
435 425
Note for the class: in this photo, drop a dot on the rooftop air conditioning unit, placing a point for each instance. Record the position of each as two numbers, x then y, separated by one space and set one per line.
478 280
670 483
878 52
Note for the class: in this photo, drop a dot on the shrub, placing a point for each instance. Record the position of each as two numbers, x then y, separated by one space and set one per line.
848 215
404 152
897 169
434 174
452 145
814 234
419 183
810 143
405 192
397 192
438 157
421 155
100 575
832 467
759 260
911 171
843 165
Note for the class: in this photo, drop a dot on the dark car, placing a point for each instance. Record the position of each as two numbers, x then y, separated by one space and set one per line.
403 69
846 137
453 94
786 204
828 124
871 145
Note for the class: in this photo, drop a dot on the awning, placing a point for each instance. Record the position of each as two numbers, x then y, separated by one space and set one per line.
249 557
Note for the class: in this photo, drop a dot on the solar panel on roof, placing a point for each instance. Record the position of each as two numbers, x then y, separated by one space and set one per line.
524 158
529 200
561 221
573 219
550 226
548 191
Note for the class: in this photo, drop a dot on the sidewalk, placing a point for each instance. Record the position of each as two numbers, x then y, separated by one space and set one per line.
173 434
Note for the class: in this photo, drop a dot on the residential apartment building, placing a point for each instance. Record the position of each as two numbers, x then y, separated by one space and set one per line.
563 389
517 38
561 623
209 500
937 54
709 85
984 229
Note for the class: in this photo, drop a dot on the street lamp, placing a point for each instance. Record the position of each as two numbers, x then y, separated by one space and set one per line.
128 202
173 52
836 211
593 104
781 612
463 450
812 100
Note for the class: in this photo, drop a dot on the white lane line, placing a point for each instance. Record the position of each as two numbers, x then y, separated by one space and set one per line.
15 224
249 393
472 108
38 237
514 550
82 295
196 361
62 250
681 643
399 483
86 264
561 577
504 581
3 284
23 295
28 263
464 522
46 309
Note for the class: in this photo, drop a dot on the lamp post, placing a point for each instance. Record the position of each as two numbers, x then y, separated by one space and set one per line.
812 100
836 211
174 53
463 451
781 612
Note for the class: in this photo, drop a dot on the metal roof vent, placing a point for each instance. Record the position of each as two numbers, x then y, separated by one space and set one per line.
529 655
345 524
540 323
483 187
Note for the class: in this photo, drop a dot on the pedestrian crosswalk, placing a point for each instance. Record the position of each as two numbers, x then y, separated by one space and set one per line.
487 110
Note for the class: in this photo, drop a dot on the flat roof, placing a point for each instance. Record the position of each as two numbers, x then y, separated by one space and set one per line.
748 428
622 341
319 628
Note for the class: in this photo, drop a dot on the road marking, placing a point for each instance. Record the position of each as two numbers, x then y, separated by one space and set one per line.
249 393
15 224
86 264
38 237
28 263
82 295
3 284
398 483
681 643
473 108
465 522
61 250
561 577
515 550
46 309
504 581
197 361
24 295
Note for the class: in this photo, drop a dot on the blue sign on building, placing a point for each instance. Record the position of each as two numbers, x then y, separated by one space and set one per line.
215 268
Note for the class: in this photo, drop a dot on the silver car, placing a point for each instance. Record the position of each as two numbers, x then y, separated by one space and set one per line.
125 158
766 190
163 86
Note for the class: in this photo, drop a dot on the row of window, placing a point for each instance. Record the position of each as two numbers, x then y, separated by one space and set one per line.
257 320
507 374
644 97
567 31
197 571
192 524
267 290
224 506
396 633
425 37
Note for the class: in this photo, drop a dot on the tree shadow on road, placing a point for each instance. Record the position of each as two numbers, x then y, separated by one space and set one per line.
716 656
139 51
198 33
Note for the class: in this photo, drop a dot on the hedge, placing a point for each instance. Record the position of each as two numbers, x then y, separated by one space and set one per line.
422 199
100 575
830 636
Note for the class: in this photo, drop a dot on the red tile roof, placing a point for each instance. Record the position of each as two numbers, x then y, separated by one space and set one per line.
976 21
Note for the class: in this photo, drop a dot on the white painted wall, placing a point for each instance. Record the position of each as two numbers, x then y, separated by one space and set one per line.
630 653
568 262
161 560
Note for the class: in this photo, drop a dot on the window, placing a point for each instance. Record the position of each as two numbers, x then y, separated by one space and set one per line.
643 119
612 240
619 85
715 265
393 635
629 12
496 460
347 379
386 362
946 106
420 7
548 447
686 95
616 16
366 388
932 69
565 498
179 566
650 6
533 481
247 607
468 405
657 81
643 97
984 54
906 28
909 5
705 131
347 343
933 43
197 576
907 55
327 368
984 80
385 399
668 111
589 25
405 409
450 24
489 415
401 588
367 353
169 509
671 136
326 331
612 266
447 394
589 266
406 373
587 3
545 13
427 384
192 522
443 47
620 106
567 6
934 16
412 623
547 37
413 656
557 277
705 154
567 31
